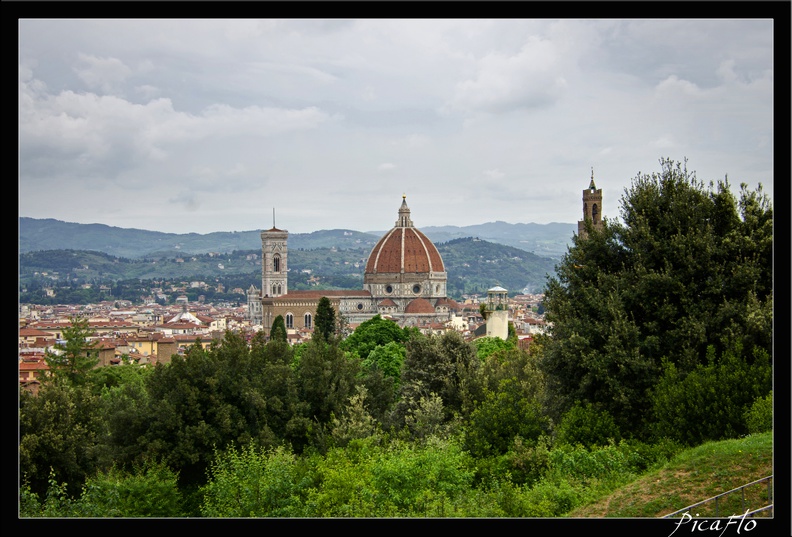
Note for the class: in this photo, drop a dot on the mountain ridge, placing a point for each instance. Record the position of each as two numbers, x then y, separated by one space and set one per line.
546 240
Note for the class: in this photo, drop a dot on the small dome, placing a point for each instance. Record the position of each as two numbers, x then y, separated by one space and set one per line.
419 305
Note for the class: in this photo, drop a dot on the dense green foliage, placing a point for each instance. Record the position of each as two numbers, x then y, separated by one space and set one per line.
373 333
586 425
689 269
759 417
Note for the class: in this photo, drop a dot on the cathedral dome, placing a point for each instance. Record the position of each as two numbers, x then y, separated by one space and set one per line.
404 249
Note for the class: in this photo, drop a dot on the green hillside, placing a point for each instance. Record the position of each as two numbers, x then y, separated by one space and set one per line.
473 266
692 476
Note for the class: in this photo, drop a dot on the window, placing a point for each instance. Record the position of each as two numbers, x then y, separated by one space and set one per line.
416 288
289 320
276 263
307 320
389 289
360 306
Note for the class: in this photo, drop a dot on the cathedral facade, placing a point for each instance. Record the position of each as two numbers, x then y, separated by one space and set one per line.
404 280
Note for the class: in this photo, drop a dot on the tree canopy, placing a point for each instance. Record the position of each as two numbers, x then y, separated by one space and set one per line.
689 268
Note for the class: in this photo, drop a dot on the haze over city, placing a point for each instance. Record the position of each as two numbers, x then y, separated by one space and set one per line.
208 125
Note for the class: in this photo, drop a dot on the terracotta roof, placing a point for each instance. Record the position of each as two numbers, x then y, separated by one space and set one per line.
33 366
419 305
32 332
450 302
387 302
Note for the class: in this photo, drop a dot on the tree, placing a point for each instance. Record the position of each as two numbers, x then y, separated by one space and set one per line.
71 359
325 319
373 333
444 365
278 330
503 415
510 404
326 379
59 429
690 267
488 345
389 358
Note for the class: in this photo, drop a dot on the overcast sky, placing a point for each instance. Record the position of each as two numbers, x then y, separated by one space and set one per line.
208 125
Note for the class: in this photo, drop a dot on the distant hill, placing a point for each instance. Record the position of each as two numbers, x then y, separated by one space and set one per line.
473 266
547 240
48 234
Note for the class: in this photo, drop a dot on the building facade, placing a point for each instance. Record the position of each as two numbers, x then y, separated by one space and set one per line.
404 279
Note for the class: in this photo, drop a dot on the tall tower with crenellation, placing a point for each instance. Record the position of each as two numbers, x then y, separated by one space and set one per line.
274 262
592 207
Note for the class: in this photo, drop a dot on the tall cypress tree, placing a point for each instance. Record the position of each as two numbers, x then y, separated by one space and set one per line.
325 319
278 330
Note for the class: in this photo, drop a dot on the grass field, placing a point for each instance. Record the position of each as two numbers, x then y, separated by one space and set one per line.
692 476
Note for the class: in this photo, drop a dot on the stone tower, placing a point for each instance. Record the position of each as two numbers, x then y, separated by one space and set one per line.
592 207
274 262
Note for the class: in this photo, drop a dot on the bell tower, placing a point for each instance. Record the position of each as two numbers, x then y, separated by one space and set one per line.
592 207
274 261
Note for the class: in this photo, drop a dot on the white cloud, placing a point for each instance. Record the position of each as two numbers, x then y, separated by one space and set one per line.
103 74
531 78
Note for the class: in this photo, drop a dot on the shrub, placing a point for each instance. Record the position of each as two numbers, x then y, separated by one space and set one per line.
587 425
252 483
709 402
759 417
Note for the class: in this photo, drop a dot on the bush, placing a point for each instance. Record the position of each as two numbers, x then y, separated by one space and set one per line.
579 464
588 426
252 483
528 462
759 418
708 403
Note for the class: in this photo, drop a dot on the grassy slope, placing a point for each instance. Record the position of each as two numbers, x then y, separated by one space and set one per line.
692 476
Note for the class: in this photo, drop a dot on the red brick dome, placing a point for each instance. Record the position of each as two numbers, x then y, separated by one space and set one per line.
404 249
419 305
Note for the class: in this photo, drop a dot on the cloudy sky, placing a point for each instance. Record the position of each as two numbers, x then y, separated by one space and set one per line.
208 125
